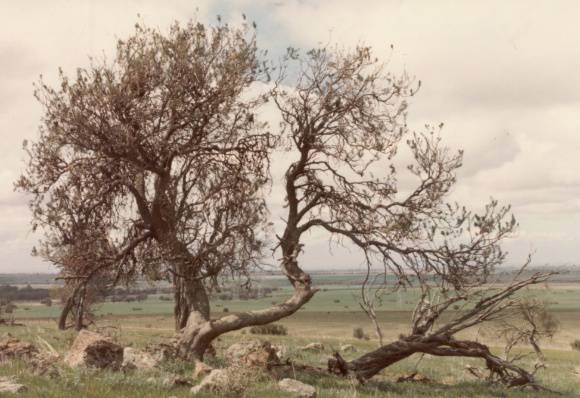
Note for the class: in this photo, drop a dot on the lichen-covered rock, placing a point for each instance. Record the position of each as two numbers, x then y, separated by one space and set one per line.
201 370
297 388
93 350
253 353
315 347
213 382
12 348
161 352
9 386
137 359
45 365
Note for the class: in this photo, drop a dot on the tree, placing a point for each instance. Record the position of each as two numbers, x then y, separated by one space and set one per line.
153 165
345 118
6 310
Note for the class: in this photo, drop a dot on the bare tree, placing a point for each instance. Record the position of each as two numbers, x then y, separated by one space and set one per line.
430 334
153 165
345 116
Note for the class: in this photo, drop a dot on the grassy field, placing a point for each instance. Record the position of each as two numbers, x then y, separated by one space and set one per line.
332 329
337 294
329 318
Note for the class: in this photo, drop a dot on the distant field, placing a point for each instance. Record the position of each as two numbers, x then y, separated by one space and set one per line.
338 293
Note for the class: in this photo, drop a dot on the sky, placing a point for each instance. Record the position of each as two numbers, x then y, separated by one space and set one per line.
502 75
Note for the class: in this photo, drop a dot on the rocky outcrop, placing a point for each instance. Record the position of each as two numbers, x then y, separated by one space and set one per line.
253 354
9 386
93 350
137 359
297 388
12 348
213 382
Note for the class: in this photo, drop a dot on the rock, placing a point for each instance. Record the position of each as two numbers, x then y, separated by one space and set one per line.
297 388
136 359
161 352
91 349
213 382
9 386
45 365
253 353
12 348
201 370
281 350
315 347
347 348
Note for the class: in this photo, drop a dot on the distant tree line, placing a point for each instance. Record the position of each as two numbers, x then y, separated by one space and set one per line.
27 293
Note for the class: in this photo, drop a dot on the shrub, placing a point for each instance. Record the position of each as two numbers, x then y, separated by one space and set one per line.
576 345
359 333
137 309
46 301
226 309
337 301
272 328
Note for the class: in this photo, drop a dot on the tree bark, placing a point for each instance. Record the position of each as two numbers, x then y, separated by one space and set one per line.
199 334
66 309
369 364
181 308
80 309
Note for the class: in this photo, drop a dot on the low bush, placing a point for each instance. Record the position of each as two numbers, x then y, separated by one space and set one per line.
576 345
272 329
359 333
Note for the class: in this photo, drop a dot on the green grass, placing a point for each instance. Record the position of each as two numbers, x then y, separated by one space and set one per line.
334 329
329 318
331 298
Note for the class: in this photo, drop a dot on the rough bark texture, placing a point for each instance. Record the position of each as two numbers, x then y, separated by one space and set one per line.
370 364
66 309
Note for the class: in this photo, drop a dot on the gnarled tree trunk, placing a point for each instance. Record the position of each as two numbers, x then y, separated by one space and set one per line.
64 313
200 331
369 364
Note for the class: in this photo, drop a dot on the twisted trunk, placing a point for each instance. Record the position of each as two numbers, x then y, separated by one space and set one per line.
369 364
200 330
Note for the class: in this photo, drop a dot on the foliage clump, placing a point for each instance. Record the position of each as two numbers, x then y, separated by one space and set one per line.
273 329
359 333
